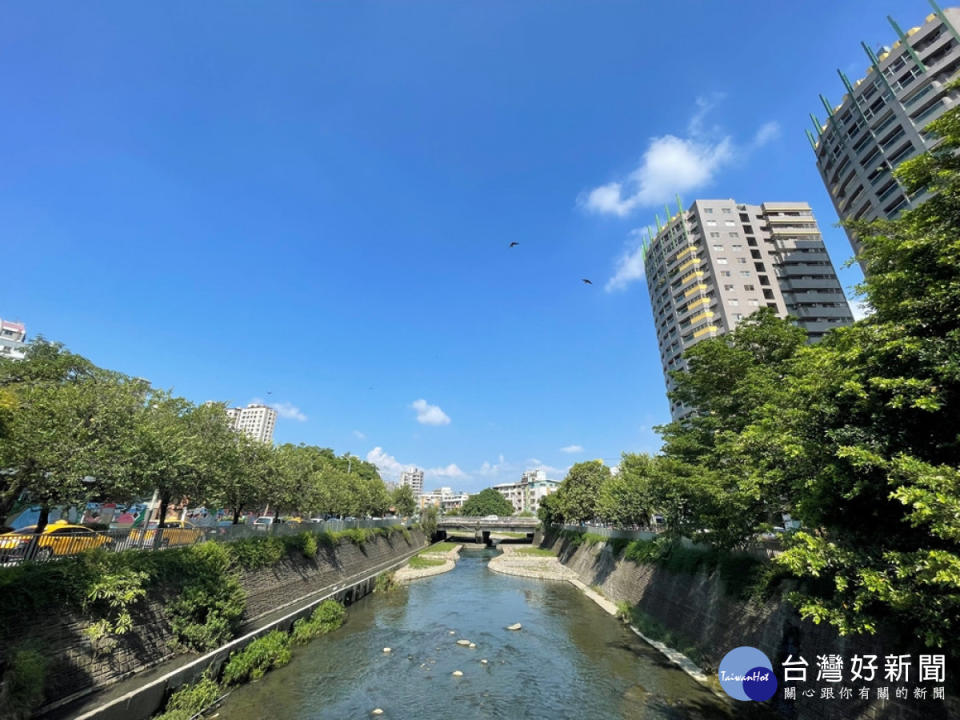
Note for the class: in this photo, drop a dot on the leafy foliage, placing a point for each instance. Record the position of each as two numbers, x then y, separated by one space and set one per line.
404 501
21 687
192 699
486 502
252 663
328 616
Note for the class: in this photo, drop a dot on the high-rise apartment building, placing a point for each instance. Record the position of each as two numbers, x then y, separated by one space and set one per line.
716 263
413 478
256 421
13 337
880 121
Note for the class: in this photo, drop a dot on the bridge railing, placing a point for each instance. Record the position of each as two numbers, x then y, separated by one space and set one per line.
610 532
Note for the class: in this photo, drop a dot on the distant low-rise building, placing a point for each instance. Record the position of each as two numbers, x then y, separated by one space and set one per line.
445 499
13 337
526 495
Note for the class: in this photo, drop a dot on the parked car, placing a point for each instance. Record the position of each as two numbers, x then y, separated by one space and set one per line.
174 532
263 523
58 538
491 517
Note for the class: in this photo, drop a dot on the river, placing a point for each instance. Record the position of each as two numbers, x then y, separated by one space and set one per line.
570 660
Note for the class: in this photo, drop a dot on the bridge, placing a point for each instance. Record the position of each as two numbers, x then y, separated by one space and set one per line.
482 527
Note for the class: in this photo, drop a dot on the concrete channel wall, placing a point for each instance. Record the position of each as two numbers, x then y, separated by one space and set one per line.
81 678
695 608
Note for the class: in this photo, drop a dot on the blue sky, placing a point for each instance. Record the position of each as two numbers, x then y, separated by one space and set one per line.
311 202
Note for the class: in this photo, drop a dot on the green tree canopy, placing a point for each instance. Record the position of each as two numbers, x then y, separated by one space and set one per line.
487 502
578 495
404 501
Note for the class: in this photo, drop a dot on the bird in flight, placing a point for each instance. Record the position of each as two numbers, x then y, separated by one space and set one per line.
514 243
588 282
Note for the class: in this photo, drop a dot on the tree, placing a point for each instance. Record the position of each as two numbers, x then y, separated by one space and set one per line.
428 521
862 441
72 441
625 499
404 501
487 502
578 493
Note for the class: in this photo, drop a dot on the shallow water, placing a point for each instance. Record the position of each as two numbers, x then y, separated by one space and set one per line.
570 660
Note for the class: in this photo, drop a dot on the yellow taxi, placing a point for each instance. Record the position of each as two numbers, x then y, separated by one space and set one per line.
57 538
174 532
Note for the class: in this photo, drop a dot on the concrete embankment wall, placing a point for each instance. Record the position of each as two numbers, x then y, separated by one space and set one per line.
76 671
695 607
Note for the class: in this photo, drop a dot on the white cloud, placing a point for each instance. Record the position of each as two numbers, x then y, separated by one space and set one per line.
428 414
861 309
572 449
390 468
630 266
359 435
674 165
768 131
670 165
450 471
288 411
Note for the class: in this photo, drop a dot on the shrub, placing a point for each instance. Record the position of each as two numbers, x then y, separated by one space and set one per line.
191 699
207 611
21 690
385 583
257 552
328 616
270 651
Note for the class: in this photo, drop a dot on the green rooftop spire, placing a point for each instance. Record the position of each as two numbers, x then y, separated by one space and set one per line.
906 44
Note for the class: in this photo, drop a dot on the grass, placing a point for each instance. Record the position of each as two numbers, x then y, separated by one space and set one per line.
270 651
418 562
536 551
441 547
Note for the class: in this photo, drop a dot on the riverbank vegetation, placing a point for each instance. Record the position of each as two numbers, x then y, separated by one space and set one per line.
419 562
486 502
269 651
119 438
854 439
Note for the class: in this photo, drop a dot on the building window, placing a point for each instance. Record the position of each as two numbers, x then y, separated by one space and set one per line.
714 234
721 261
718 248
729 223
711 223
748 288
733 301
728 287
742 261
726 211
744 273
755 303
708 210
733 234
725 273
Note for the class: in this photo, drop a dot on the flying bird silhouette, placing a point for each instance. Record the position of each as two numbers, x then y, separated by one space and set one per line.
514 243
588 282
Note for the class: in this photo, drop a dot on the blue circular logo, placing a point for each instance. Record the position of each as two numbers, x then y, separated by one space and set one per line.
745 673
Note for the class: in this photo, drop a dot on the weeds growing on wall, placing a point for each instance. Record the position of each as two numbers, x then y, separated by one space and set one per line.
270 651
191 699
328 616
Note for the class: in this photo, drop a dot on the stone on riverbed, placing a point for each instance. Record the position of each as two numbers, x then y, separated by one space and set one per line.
515 626
387 650
472 645
463 642
376 711
483 662
457 673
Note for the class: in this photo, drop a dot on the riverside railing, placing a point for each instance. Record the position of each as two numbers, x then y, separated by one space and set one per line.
59 542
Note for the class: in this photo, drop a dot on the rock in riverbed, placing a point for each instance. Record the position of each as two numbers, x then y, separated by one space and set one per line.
376 711
515 626
457 673
387 650
472 645
463 642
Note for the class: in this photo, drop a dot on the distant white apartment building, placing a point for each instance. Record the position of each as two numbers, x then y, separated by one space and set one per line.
525 496
13 336
256 421
445 499
413 478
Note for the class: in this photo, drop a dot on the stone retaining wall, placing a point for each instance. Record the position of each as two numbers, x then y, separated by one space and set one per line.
76 671
695 608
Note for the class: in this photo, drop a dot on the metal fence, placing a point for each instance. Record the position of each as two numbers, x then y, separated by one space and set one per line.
57 542
646 533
